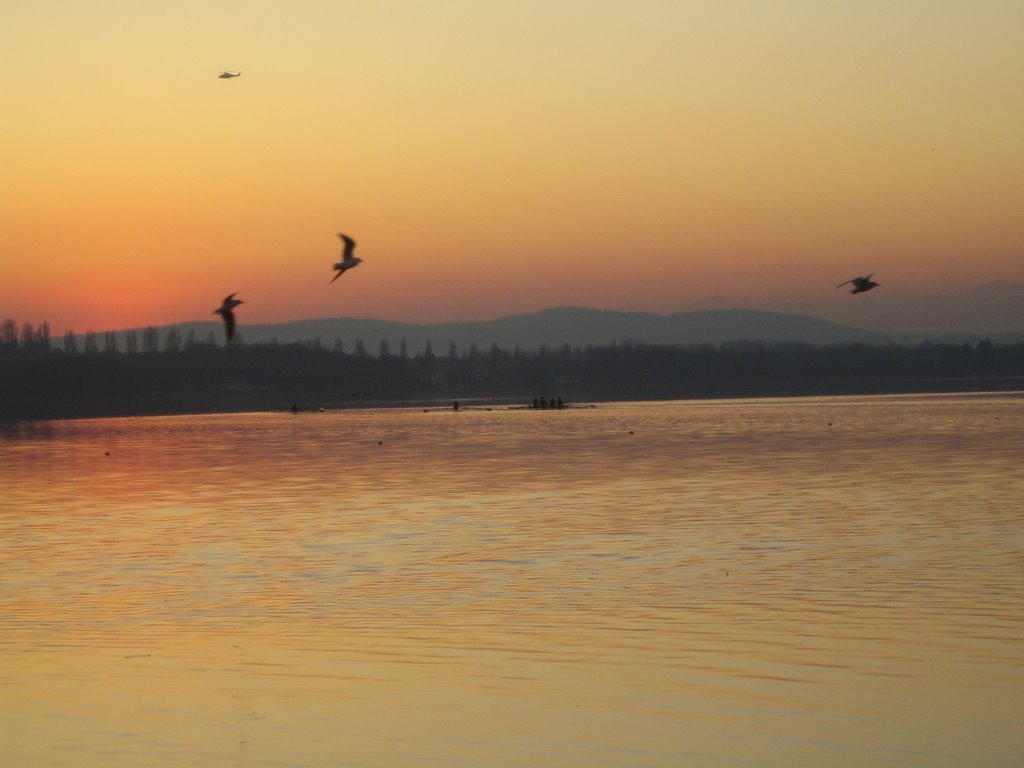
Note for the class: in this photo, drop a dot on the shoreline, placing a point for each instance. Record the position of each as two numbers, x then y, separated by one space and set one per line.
19 409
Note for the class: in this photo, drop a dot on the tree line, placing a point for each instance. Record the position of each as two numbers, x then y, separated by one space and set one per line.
183 374
37 339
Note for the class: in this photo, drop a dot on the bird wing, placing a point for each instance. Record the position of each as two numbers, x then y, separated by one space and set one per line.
339 274
227 299
350 245
846 283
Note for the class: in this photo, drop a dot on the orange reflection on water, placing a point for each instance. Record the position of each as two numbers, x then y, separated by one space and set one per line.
802 582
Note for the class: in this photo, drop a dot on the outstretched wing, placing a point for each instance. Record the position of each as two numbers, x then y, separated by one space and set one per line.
339 274
846 283
350 245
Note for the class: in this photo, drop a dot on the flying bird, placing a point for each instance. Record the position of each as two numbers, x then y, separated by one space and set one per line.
229 317
228 74
347 259
860 284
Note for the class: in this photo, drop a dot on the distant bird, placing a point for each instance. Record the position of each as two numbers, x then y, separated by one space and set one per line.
860 284
228 74
347 259
229 304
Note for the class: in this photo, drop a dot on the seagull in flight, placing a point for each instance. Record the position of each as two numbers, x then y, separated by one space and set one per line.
860 284
229 317
228 74
347 259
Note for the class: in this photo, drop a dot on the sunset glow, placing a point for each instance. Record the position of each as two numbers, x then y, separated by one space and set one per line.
494 158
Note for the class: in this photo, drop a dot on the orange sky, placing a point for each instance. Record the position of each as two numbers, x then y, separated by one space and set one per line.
493 158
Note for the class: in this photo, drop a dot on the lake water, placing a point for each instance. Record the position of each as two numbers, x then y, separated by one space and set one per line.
799 582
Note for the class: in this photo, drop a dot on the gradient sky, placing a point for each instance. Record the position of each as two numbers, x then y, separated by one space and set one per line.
494 158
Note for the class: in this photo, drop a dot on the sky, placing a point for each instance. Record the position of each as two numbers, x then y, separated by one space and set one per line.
493 158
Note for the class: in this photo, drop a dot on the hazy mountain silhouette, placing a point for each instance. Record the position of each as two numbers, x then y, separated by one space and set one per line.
575 326
994 310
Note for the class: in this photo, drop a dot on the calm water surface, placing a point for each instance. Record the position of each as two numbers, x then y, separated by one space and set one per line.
803 582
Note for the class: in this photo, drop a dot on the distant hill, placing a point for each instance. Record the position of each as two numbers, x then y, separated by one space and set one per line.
993 310
575 326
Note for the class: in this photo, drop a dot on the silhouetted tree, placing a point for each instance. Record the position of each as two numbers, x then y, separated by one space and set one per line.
453 352
131 342
9 333
172 341
70 343
28 335
190 339
43 336
385 349
428 350
110 342
150 340
339 345
403 349
91 348
360 348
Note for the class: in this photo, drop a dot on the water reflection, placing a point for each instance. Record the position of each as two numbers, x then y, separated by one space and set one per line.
800 582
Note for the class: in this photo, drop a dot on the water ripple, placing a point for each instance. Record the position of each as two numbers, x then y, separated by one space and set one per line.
803 582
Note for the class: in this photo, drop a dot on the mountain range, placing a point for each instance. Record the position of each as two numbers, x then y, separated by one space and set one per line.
575 326
994 311
991 310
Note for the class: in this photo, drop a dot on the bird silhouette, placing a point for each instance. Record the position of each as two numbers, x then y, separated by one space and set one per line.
228 75
860 284
225 311
347 259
